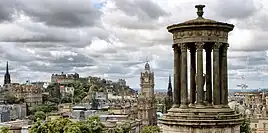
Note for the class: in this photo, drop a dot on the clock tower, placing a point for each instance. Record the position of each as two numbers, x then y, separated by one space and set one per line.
147 104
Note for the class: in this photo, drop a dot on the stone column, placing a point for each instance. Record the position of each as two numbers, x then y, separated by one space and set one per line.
177 70
184 91
224 76
200 80
208 77
216 75
192 77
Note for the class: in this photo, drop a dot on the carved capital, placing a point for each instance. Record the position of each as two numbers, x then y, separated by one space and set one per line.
224 49
175 48
183 47
174 45
199 45
217 46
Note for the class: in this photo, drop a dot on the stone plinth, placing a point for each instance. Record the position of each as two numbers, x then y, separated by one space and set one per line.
187 129
205 120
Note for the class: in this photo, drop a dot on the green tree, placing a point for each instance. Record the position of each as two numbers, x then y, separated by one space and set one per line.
73 128
150 129
245 127
40 115
38 127
4 130
95 124
46 108
11 99
64 125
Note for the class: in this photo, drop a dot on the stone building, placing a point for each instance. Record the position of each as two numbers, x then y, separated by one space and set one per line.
32 94
146 99
253 105
64 78
204 109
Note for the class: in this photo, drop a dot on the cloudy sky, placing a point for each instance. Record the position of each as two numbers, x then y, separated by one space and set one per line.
113 38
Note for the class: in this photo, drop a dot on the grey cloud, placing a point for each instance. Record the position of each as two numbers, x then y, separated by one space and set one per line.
18 55
117 69
7 9
166 64
141 14
61 64
144 9
38 36
132 63
232 66
238 9
256 58
60 13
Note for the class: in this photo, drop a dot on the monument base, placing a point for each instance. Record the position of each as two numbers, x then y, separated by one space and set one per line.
201 120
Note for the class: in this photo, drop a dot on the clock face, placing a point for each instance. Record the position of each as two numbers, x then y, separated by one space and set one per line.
146 79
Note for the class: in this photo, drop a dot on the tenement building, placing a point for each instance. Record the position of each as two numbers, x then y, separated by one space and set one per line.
203 110
31 94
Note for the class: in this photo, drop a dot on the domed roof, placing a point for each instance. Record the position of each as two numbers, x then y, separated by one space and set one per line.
147 66
200 22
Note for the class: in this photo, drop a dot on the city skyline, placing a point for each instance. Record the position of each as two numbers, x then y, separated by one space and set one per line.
113 38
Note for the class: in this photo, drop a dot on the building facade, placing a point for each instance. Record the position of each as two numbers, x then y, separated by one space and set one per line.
32 94
146 99
64 78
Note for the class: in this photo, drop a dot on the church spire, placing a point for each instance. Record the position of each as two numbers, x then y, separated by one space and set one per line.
7 71
169 98
7 76
169 93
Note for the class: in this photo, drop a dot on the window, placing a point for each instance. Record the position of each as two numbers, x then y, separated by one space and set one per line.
256 125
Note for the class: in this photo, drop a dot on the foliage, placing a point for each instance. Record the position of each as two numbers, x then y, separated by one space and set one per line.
245 127
73 128
124 128
81 90
46 108
4 130
54 90
64 125
11 99
40 115
150 129
67 98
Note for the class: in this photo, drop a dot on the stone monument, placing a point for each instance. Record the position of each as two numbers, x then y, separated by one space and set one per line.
193 113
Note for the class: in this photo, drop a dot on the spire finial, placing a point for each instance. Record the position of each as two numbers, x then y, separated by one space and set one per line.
200 11
7 71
